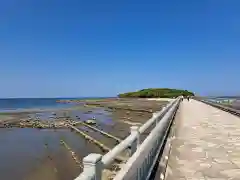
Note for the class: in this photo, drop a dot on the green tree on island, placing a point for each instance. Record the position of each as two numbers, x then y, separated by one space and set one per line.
156 93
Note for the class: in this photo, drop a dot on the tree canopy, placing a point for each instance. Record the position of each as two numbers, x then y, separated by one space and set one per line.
156 93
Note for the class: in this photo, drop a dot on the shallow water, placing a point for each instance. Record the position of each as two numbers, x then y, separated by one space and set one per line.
29 103
22 149
235 104
32 154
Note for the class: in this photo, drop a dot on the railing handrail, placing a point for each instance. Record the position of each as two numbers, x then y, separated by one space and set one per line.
159 114
159 130
109 157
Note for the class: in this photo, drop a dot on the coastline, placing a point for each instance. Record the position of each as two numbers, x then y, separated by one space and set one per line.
113 116
33 110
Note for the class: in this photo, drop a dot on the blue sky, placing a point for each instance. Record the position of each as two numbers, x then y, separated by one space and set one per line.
52 48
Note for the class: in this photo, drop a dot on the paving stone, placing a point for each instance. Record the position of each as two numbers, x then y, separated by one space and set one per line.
207 178
236 161
196 176
231 173
206 144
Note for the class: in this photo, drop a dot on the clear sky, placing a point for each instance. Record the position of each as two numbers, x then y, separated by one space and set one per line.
78 48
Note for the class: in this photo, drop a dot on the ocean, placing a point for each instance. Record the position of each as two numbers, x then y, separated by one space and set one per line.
35 154
10 104
26 103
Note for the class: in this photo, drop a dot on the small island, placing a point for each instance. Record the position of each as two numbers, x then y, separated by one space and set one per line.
156 93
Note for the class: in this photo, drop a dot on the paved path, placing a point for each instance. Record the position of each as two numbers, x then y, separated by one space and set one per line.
206 144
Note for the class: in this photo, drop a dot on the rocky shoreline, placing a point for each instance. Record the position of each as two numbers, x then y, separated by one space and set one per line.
113 118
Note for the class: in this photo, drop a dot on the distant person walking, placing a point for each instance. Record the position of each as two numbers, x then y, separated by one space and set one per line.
188 98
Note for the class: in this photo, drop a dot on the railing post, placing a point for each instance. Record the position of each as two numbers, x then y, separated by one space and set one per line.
154 115
93 163
136 143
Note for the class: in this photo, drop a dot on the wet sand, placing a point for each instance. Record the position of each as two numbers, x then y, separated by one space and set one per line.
32 154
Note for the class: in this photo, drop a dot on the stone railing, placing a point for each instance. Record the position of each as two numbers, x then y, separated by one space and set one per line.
143 156
220 106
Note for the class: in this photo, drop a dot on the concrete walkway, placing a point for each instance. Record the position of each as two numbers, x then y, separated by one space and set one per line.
206 144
